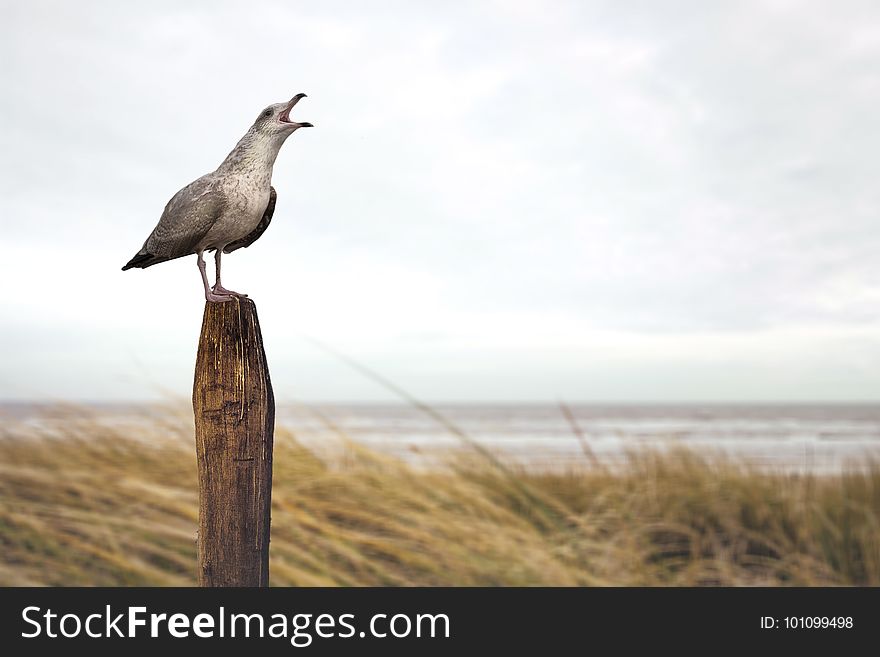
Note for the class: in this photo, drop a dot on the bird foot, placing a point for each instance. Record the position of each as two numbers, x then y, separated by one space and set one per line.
219 289
211 297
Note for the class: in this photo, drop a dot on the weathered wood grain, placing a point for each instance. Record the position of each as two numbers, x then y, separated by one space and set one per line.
234 418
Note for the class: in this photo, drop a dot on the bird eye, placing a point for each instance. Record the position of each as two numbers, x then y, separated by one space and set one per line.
268 112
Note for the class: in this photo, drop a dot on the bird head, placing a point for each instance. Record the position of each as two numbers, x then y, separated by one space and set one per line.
275 119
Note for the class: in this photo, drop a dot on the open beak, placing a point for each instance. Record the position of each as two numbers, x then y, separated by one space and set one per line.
284 117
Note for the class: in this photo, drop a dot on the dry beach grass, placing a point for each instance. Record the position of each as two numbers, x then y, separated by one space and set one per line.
94 504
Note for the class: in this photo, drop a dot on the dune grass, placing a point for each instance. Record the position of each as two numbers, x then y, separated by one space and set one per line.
95 505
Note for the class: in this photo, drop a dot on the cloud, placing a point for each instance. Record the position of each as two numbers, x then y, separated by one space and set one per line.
484 179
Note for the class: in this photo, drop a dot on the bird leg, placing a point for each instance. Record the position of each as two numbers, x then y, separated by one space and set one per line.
218 288
209 294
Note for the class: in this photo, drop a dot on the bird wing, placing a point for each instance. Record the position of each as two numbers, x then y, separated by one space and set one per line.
255 234
187 218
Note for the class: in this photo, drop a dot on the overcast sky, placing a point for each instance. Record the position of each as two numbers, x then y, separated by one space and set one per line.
500 200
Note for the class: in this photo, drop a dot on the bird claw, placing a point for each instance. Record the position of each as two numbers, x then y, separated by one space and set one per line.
219 289
217 298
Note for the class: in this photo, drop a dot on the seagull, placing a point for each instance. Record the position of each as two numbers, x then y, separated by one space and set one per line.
227 209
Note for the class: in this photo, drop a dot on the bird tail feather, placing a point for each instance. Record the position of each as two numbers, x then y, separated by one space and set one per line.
143 259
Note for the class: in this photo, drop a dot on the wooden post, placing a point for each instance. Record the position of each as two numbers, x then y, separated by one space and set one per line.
235 419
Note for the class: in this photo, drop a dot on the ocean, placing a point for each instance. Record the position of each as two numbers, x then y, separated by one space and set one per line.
809 437
812 437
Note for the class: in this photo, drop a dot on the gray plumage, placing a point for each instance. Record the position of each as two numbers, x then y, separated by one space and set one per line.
255 234
227 209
